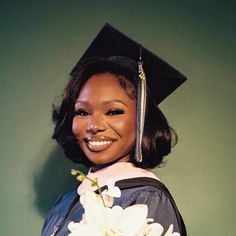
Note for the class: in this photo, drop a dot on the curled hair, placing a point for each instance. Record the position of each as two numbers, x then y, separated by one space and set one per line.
158 137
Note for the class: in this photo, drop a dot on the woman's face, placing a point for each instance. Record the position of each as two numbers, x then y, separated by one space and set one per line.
105 120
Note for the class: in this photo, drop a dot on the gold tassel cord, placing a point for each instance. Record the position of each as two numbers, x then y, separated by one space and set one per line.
141 109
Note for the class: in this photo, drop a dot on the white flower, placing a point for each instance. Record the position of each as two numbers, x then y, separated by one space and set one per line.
102 220
112 190
109 194
99 220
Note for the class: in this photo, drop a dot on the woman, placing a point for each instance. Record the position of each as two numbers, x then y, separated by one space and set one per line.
99 124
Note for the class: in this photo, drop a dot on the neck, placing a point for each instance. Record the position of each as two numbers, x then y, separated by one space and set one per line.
97 167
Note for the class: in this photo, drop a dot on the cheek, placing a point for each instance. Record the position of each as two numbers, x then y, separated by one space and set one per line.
131 127
126 128
131 123
77 127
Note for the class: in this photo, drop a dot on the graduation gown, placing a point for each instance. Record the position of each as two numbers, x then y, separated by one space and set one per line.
136 190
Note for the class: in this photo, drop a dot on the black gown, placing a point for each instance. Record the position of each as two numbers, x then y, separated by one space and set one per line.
142 190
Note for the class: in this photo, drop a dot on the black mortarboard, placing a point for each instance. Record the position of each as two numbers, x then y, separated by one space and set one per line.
161 78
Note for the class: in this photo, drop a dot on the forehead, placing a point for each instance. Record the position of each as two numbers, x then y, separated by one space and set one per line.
105 86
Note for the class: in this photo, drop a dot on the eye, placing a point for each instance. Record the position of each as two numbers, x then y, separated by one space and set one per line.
81 112
115 112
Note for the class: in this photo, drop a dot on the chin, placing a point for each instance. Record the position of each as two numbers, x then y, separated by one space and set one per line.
101 162
106 160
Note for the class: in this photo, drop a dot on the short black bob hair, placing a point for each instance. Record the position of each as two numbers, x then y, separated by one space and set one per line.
158 137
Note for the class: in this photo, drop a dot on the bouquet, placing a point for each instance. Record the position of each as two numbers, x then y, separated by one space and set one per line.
102 219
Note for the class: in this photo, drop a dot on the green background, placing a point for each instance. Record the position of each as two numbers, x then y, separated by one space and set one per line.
42 40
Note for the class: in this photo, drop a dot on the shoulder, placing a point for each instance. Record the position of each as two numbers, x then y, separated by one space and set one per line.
154 194
58 212
149 195
63 201
145 190
144 186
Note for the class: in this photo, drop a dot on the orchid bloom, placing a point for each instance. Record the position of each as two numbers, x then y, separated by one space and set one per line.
116 221
111 192
101 219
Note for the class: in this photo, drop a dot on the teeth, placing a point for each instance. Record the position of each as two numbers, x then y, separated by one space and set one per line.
99 143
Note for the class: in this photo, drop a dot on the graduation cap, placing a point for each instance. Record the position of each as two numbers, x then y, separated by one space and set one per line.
161 78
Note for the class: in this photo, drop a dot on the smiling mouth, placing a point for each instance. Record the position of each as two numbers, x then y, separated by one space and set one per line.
98 146
99 143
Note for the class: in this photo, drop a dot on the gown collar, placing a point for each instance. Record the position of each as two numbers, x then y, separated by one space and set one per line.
113 173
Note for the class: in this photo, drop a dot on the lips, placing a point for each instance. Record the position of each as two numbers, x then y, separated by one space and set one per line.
98 143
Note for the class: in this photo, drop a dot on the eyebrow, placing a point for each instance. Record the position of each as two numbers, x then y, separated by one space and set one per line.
104 102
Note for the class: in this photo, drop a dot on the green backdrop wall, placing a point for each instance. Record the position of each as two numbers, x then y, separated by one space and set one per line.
40 43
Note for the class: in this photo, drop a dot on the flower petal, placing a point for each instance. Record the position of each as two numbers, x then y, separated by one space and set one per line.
154 229
114 192
131 220
95 213
108 200
170 232
85 230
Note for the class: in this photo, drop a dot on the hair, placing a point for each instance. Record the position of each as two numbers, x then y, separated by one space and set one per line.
158 136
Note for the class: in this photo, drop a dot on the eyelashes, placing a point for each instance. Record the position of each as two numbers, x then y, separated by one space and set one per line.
110 112
81 112
114 112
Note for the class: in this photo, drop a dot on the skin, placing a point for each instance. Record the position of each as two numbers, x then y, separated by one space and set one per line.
105 119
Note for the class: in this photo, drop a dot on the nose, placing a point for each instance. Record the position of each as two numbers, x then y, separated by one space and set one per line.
95 125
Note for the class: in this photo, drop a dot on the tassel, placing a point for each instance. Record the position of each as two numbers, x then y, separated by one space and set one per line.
141 108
